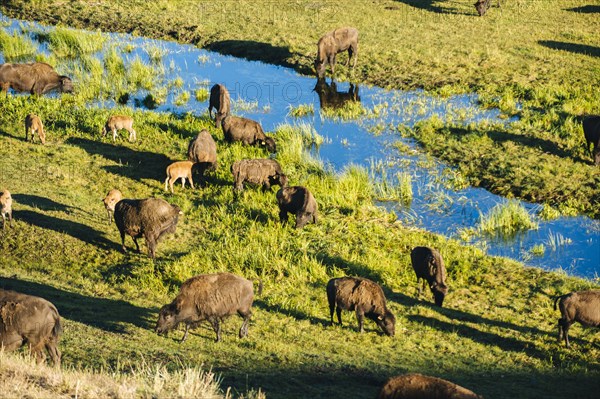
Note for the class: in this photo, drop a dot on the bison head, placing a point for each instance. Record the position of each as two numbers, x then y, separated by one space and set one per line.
269 143
167 319
439 293
66 84
320 68
387 323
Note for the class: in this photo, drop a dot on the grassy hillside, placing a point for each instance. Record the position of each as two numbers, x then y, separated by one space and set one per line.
496 334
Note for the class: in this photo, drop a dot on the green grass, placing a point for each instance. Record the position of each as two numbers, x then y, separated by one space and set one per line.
15 47
301 110
202 94
66 42
506 219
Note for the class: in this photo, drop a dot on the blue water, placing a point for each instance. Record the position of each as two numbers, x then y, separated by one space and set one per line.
265 93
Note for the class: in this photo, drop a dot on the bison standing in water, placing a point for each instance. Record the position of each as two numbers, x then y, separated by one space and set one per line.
419 386
27 319
36 78
210 297
220 101
149 218
332 43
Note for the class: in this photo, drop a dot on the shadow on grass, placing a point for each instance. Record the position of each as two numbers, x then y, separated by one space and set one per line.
74 229
575 48
352 269
45 204
134 164
436 7
291 313
589 9
103 313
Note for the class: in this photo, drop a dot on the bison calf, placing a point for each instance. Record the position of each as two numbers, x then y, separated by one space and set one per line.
220 101
418 386
262 172
332 43
6 208
580 306
298 201
33 124
591 132
429 266
149 218
363 296
110 201
179 170
247 131
210 297
119 122
27 319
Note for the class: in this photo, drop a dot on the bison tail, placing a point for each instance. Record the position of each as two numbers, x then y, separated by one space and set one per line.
557 298
57 329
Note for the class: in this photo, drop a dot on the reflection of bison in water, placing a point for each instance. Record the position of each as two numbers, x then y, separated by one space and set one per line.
26 319
331 44
298 201
262 172
330 97
418 386
591 131
220 101
149 218
36 78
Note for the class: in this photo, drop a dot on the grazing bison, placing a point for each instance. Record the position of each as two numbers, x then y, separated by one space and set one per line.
149 218
580 306
111 199
332 43
27 319
429 266
33 124
363 296
330 97
262 172
6 208
210 297
220 101
119 122
202 150
179 170
247 131
483 5
591 131
418 386
36 78
298 201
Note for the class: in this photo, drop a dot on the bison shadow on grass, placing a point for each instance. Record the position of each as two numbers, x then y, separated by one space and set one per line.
574 48
434 6
106 314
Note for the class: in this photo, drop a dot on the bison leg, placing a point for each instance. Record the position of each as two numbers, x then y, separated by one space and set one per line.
360 317
563 330
54 352
114 135
338 312
283 216
123 241
133 135
182 182
151 244
244 328
187 327
191 180
331 310
137 246
217 327
37 351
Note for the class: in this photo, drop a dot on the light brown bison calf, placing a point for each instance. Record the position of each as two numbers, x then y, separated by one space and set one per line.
110 201
179 170
210 297
220 101
27 319
332 43
580 306
247 131
362 296
429 267
33 124
6 207
298 201
119 122
418 386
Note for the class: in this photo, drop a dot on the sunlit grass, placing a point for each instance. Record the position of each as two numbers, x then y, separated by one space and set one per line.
301 110
67 42
16 47
506 219
202 94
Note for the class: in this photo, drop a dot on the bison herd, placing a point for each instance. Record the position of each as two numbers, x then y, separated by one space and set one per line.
35 322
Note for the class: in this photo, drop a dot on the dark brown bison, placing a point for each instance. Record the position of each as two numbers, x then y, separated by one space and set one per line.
418 386
262 172
220 101
330 97
27 319
298 201
202 150
483 5
332 43
429 266
247 131
149 218
580 306
6 207
363 296
591 132
36 78
210 297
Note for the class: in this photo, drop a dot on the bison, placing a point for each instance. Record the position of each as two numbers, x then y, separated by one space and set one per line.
27 319
210 297
119 122
263 172
36 78
298 201
591 132
179 170
220 101
419 386
247 131
483 5
149 218
429 266
332 43
330 97
580 306
363 296
6 208
202 150
111 199
33 124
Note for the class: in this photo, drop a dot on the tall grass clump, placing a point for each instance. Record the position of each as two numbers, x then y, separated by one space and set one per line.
349 111
65 42
16 47
301 110
295 154
385 189
201 94
141 75
506 219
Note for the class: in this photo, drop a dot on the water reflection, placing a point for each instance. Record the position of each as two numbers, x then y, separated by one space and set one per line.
330 97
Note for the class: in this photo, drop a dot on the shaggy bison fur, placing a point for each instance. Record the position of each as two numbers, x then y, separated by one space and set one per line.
298 201
580 306
202 150
36 78
419 386
247 131
262 172
591 132
332 43
429 267
220 101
